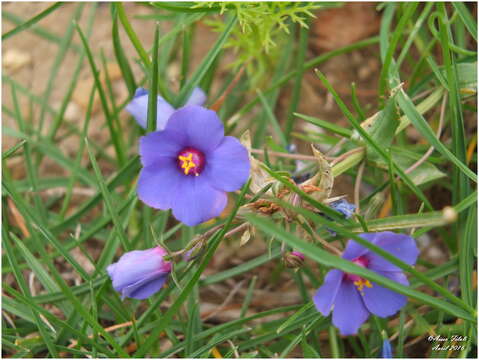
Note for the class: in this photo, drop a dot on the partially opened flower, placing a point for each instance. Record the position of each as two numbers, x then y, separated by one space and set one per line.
141 273
138 107
190 165
353 298
386 351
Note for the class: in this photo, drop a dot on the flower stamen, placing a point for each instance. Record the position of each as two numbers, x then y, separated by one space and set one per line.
187 163
191 161
361 283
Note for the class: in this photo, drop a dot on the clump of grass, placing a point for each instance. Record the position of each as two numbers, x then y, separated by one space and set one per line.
70 212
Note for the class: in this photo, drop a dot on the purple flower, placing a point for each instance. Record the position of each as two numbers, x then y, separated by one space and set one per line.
190 165
141 273
138 107
353 297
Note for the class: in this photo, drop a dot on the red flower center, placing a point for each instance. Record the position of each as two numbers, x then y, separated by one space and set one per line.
191 161
356 279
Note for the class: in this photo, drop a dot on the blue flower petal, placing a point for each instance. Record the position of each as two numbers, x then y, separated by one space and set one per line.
160 184
158 145
138 108
197 97
354 249
146 287
203 127
163 113
140 92
382 301
228 165
400 245
197 201
326 294
349 312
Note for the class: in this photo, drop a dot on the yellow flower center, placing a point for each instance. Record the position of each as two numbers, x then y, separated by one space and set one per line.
187 163
361 283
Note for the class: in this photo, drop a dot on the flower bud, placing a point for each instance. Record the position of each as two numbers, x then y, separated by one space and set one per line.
293 259
386 351
141 273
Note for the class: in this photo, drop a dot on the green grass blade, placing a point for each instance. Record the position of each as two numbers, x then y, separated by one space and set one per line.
422 126
120 55
152 101
115 134
272 119
32 21
466 18
336 129
205 64
132 35
108 200
11 151
295 97
466 256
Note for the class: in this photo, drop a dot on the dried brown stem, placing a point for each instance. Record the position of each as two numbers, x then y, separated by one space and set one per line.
218 103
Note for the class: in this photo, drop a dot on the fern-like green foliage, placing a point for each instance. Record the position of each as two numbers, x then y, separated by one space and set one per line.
262 26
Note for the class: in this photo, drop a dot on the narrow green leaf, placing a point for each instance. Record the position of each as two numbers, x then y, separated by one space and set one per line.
336 129
422 126
381 126
108 200
120 56
466 18
132 35
9 152
152 96
115 134
272 119
466 256
32 21
295 97
205 64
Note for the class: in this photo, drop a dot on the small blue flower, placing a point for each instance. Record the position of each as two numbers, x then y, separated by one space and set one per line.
352 298
344 207
138 107
191 165
141 273
386 352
